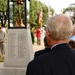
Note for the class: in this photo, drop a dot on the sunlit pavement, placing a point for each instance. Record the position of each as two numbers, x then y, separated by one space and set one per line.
38 47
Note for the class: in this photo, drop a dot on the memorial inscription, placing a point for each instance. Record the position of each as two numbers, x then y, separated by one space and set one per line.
18 42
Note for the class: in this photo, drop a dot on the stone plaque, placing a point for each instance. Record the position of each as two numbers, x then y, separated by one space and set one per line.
19 48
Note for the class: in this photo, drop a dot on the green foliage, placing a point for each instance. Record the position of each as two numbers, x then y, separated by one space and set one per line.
71 8
34 12
45 11
34 7
3 9
52 11
3 5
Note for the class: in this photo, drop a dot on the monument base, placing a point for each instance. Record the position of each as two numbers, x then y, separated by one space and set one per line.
19 52
12 70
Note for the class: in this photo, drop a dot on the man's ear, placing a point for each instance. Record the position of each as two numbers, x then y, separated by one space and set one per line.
47 33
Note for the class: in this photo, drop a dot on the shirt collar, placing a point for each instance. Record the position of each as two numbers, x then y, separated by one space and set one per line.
55 45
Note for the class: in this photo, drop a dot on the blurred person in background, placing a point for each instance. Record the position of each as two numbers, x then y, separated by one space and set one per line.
72 39
38 35
45 50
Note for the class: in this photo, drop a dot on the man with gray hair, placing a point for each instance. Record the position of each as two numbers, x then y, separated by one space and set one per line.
61 59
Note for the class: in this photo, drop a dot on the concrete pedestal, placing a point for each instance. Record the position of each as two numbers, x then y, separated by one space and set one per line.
18 52
12 71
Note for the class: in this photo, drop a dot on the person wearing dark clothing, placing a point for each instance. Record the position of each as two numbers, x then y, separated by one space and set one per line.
61 59
72 43
47 49
72 39
41 52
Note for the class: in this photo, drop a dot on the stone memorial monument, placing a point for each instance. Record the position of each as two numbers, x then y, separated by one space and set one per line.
19 51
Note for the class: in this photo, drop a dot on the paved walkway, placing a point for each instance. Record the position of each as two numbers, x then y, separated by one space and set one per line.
38 47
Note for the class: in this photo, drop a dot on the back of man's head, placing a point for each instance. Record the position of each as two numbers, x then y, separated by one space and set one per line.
60 27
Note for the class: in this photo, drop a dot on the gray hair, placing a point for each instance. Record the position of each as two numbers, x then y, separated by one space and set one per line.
60 27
